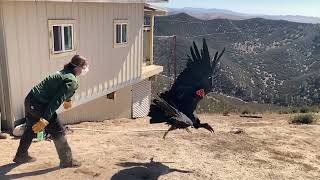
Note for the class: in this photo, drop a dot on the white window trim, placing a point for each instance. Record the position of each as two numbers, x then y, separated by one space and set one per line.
59 54
120 22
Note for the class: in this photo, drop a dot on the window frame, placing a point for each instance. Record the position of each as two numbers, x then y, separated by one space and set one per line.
61 23
120 22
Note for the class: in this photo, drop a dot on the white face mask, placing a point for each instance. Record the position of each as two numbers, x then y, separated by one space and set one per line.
84 71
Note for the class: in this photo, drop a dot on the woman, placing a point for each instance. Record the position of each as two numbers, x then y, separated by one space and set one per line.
40 110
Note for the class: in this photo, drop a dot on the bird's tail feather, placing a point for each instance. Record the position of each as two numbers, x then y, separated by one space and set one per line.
157 115
161 111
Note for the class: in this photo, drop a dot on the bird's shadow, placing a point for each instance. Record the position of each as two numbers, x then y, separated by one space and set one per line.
8 167
138 171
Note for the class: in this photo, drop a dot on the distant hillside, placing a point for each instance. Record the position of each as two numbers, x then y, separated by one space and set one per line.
209 14
268 61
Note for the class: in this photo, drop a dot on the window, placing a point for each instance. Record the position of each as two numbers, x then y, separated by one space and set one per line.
120 33
61 37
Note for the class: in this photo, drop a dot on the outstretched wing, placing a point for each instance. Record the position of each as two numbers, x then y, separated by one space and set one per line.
195 81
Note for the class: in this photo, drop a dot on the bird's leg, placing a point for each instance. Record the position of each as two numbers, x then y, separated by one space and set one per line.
188 130
170 129
151 160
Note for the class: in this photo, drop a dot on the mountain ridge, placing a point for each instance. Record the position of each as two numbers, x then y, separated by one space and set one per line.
213 13
268 61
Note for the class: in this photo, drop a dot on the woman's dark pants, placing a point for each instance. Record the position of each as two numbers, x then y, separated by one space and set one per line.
33 112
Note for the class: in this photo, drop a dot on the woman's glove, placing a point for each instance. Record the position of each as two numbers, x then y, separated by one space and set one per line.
40 125
67 104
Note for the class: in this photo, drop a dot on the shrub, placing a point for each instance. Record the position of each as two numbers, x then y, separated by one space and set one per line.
314 109
303 119
283 112
293 110
245 111
226 113
304 110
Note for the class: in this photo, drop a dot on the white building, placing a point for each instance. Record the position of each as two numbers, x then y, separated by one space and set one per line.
37 37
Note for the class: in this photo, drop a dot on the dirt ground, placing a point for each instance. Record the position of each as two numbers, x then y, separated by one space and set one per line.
269 148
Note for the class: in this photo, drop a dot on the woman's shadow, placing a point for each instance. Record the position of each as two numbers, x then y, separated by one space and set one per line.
138 171
8 167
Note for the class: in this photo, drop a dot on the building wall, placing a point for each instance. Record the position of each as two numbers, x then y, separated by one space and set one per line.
5 101
2 68
26 33
107 1
101 109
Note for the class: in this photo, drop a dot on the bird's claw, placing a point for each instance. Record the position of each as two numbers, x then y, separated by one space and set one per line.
208 127
188 130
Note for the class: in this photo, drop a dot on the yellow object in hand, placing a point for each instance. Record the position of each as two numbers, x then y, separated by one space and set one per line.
67 104
40 125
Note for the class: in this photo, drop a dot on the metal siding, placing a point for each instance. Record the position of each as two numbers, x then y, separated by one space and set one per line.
118 50
2 59
101 109
141 99
28 46
5 99
7 105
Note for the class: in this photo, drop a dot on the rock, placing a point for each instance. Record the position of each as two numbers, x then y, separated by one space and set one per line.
3 136
19 130
236 131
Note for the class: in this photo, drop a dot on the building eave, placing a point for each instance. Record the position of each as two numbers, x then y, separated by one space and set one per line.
154 10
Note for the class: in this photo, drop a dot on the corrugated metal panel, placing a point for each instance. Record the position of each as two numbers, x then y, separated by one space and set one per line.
5 102
28 51
141 99
2 68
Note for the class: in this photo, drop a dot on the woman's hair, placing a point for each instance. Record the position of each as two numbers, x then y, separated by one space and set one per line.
76 61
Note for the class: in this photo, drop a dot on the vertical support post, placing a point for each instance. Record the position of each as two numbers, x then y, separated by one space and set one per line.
169 63
151 38
174 57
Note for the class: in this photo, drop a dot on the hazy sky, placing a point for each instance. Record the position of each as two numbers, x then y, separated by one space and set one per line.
269 7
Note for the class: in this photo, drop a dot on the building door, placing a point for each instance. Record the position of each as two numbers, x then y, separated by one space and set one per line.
141 99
